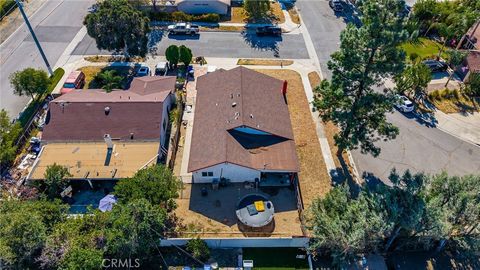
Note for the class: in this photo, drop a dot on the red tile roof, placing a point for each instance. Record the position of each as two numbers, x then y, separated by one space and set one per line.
87 115
241 98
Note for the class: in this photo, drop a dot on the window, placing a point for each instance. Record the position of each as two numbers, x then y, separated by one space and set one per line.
207 174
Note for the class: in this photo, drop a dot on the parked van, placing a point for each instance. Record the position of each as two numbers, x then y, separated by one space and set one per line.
75 80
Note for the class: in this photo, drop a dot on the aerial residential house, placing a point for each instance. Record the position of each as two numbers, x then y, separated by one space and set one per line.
100 135
242 130
471 42
203 6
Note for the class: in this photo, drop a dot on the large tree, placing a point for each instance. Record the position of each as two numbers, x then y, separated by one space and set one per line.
135 229
117 26
185 55
257 9
367 55
402 202
55 180
454 202
414 80
24 226
346 226
156 184
8 136
172 54
29 82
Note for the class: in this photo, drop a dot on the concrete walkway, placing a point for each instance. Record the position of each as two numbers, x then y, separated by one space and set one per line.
465 127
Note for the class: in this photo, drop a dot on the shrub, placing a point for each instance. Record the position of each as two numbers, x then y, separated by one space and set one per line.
198 248
5 6
210 17
179 16
435 95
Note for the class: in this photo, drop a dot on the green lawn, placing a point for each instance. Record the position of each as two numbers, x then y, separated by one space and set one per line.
275 258
424 48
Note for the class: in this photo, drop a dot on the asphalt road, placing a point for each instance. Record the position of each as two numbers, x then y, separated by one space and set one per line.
420 146
220 44
55 23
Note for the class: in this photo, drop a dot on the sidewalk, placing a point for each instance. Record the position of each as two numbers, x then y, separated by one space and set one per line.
465 127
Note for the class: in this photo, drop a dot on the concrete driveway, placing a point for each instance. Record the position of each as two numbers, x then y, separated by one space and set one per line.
420 146
55 23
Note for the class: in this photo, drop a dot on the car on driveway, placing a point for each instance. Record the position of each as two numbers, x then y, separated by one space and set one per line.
435 66
404 104
336 5
143 70
268 31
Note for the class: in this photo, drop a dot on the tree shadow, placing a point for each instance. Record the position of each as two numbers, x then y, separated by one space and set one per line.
262 43
349 15
427 119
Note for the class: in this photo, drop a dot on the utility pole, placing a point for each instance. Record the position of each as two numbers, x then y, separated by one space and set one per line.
27 22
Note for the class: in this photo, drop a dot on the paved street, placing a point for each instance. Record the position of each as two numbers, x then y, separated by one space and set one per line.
56 23
418 147
221 44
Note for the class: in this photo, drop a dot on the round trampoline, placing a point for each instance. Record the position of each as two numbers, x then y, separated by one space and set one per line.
255 211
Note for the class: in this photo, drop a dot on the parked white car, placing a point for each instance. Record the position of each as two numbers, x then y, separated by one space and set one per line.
183 29
404 104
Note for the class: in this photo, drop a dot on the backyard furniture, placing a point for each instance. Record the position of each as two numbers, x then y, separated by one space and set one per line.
255 210
107 202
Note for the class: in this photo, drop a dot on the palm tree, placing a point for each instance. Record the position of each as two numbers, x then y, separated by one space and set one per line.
109 80
455 58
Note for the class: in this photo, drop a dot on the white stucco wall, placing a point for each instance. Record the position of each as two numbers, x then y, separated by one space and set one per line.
300 242
230 171
167 105
203 6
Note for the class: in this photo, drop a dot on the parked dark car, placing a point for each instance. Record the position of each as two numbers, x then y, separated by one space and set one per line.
336 5
435 66
269 31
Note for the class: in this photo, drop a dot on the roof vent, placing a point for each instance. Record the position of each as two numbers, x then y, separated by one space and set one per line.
251 116
237 114
107 110
231 95
238 95
234 104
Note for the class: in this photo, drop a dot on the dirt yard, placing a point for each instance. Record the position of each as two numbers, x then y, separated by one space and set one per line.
264 62
314 178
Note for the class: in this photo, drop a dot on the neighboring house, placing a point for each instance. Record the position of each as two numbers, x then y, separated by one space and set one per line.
471 65
100 135
471 42
204 6
242 129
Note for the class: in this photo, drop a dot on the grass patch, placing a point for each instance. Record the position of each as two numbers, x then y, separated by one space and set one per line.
91 72
275 258
222 28
240 15
424 48
453 101
313 175
314 79
292 11
33 107
237 15
264 62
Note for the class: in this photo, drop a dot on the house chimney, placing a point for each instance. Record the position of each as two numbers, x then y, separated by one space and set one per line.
108 141
284 91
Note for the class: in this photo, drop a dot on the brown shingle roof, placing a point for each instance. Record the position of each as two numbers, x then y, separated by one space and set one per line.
473 61
241 98
81 114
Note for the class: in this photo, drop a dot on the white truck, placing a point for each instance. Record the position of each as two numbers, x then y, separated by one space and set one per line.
183 28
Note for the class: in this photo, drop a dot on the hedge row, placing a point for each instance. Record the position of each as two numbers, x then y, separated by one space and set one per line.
179 16
5 6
